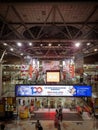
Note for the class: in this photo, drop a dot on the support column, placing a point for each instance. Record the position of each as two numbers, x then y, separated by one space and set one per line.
0 79
1 72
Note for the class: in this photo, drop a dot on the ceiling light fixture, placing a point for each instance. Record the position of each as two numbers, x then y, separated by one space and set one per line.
30 44
11 49
77 44
88 43
5 44
95 49
19 44
21 54
49 44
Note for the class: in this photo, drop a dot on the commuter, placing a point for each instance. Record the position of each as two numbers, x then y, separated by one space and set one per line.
59 126
2 126
57 114
56 121
60 113
38 125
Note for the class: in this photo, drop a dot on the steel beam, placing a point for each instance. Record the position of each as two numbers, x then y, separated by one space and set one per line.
11 27
22 22
44 22
40 41
88 18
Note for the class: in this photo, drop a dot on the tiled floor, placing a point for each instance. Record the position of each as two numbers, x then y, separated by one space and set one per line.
49 125
29 124
71 121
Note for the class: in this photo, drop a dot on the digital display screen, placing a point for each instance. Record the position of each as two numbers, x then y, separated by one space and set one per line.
53 76
53 90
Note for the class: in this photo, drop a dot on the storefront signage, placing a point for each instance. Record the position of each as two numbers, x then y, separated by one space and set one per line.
53 90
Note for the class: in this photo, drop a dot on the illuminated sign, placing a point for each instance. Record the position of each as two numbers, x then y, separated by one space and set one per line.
36 90
52 76
53 90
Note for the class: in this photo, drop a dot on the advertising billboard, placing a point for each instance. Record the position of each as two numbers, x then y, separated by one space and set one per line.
53 90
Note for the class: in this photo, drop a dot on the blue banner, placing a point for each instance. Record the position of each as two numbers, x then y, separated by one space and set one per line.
53 90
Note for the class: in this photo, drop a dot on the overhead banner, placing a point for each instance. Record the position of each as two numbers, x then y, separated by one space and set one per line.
50 65
53 90
79 61
69 68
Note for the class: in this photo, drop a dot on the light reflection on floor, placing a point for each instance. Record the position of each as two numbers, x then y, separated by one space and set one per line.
72 124
49 125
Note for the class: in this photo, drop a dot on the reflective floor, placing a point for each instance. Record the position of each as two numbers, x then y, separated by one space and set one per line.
71 121
49 125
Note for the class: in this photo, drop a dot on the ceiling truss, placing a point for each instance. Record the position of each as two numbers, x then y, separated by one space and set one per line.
70 32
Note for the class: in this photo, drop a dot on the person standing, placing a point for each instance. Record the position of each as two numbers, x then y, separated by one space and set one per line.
2 126
59 126
60 113
56 120
38 125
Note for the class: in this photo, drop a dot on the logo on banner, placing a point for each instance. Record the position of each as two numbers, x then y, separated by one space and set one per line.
36 90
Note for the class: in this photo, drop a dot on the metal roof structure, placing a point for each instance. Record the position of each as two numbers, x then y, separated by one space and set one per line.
53 28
